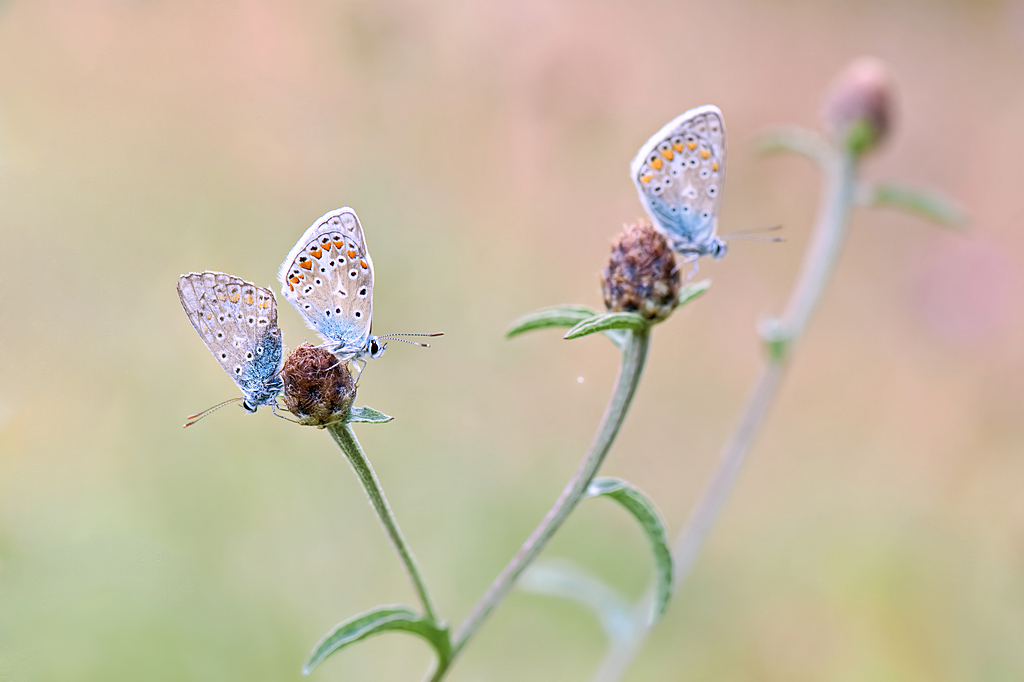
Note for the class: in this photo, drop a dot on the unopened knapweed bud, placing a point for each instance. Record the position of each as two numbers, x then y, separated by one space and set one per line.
858 109
641 275
318 389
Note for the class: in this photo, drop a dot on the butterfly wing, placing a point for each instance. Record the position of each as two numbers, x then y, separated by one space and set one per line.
679 174
328 278
237 321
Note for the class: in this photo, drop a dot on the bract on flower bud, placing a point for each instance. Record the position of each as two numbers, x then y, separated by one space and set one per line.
858 109
318 388
641 275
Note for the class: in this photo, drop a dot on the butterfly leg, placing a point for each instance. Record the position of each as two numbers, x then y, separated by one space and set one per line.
362 365
696 266
273 408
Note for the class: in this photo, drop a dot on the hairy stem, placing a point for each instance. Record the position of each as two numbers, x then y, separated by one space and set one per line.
633 359
819 262
346 440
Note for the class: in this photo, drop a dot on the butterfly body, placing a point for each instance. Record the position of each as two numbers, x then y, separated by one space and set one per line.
328 278
237 321
679 174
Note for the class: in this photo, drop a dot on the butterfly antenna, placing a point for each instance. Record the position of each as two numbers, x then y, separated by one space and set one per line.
192 419
756 230
396 336
393 334
752 238
411 343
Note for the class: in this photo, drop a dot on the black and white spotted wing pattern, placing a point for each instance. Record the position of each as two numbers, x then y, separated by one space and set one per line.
237 321
679 174
328 278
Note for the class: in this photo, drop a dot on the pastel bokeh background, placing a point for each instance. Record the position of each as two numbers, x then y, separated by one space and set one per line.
878 531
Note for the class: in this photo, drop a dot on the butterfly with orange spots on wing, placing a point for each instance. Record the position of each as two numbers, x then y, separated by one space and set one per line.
679 174
237 321
328 278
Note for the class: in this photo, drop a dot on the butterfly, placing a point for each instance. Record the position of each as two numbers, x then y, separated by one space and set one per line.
679 174
237 321
328 278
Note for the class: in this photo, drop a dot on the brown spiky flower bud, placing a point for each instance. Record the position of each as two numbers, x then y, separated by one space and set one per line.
858 109
318 388
641 275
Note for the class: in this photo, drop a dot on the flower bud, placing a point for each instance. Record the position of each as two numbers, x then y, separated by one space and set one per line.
641 275
318 388
858 109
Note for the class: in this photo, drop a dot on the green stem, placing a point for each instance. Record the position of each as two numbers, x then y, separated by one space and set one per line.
826 243
633 359
346 440
818 265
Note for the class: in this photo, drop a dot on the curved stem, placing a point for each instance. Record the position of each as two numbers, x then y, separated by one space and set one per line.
633 358
818 265
826 243
346 440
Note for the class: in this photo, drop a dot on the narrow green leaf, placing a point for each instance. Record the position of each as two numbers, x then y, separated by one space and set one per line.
557 316
606 321
640 506
380 619
566 580
799 141
925 204
367 415
693 291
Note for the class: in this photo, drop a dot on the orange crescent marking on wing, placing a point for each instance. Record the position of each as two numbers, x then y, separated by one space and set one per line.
646 178
338 245
363 263
704 153
678 147
656 164
351 254
691 145
714 166
667 153
307 265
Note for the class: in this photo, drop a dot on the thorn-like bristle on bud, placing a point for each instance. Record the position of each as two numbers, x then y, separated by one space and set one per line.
318 388
641 275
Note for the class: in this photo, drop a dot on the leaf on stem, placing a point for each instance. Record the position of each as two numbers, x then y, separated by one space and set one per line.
557 316
367 415
564 579
380 619
640 506
799 141
776 337
605 322
563 316
692 292
926 204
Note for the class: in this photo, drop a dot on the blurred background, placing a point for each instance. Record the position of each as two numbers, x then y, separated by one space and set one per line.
878 530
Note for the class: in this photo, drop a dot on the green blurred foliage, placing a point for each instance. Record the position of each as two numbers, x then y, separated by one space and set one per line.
877 531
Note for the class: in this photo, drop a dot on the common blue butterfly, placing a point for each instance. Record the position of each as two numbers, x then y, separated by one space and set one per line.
328 278
679 174
237 321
